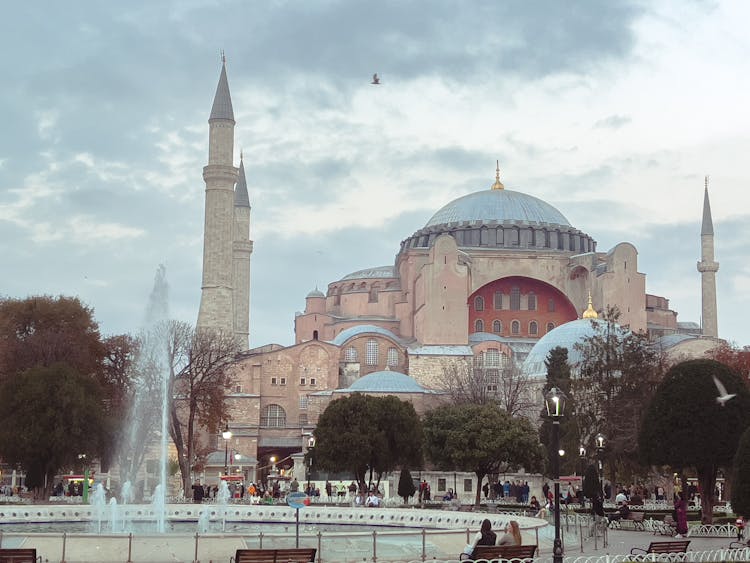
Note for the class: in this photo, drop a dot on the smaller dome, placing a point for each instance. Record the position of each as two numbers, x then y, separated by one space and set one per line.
386 382
315 293
565 336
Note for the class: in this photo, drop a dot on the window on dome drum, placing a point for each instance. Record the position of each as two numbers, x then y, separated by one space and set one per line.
273 417
282 381
371 352
533 328
515 299
497 327
532 301
392 357
550 327
498 300
313 381
274 381
303 400
479 325
479 303
373 295
515 327
350 354
551 305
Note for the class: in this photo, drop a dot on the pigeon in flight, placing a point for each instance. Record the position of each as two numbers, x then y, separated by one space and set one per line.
723 395
375 79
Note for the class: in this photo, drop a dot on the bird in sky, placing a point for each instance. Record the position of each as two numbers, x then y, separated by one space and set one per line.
375 79
723 395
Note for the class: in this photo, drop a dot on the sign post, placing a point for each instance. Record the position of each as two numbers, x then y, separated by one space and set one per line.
297 501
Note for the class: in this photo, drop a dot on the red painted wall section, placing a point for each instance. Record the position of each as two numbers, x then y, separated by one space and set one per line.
552 306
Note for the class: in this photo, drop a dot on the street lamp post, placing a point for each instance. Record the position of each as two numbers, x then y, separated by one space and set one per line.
554 401
227 435
600 440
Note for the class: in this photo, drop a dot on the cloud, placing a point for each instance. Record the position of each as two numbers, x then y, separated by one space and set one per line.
612 122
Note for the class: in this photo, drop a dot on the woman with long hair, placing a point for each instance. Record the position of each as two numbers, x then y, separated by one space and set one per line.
512 535
485 536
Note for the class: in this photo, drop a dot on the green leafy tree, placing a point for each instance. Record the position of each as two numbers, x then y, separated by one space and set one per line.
591 484
44 330
362 433
483 439
684 426
406 487
48 416
618 375
741 477
558 375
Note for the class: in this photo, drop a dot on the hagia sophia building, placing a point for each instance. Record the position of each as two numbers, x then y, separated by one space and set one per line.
496 277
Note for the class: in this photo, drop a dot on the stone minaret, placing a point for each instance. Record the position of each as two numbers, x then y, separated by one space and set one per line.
708 268
242 248
216 309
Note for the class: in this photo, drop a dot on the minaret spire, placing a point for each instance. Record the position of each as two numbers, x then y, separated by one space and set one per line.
708 268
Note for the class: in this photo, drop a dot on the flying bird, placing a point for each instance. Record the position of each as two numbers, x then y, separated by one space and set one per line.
723 395
375 79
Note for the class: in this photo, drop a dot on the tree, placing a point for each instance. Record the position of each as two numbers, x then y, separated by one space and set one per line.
480 438
44 330
733 356
48 416
488 379
406 487
741 476
684 426
364 432
591 484
558 375
199 376
618 374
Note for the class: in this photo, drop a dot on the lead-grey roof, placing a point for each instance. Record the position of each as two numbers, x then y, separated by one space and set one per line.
498 206
707 228
432 350
377 272
222 108
386 382
358 330
670 340
316 293
241 199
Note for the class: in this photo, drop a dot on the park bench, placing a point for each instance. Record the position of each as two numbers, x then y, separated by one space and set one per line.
291 555
676 546
666 527
634 519
490 552
26 555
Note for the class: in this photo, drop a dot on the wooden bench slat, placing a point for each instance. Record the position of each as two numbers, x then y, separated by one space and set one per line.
18 555
282 555
490 552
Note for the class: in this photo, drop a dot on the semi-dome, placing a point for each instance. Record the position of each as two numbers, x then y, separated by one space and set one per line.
565 336
498 206
386 382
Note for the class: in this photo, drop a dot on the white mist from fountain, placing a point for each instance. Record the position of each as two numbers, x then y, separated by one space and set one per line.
126 494
222 501
204 521
159 507
99 503
114 516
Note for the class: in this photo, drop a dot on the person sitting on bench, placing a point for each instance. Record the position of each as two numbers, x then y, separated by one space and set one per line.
622 513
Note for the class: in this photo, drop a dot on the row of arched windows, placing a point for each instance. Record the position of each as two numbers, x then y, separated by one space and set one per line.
515 327
372 349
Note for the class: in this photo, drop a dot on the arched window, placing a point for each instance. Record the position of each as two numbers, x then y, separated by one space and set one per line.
498 300
497 327
479 325
551 305
371 352
350 354
515 327
533 328
492 358
273 417
515 299
532 301
392 357
550 327
479 303
315 334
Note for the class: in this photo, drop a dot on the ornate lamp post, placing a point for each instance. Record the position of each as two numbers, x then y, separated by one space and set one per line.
227 435
599 440
554 401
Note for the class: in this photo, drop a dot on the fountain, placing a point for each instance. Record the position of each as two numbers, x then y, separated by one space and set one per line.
222 500
99 502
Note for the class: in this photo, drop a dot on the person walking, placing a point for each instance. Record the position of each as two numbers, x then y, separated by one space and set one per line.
680 509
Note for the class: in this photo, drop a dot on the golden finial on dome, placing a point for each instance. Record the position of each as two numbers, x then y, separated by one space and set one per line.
498 185
590 313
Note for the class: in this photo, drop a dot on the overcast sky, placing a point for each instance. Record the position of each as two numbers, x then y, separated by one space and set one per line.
613 112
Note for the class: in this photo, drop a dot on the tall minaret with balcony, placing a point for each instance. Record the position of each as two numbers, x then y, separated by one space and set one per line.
242 248
708 268
216 308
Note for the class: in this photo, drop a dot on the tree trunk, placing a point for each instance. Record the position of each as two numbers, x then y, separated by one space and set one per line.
707 481
480 478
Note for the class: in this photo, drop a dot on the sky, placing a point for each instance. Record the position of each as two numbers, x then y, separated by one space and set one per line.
613 112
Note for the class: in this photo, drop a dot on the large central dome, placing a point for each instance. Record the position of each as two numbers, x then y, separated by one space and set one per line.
498 206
